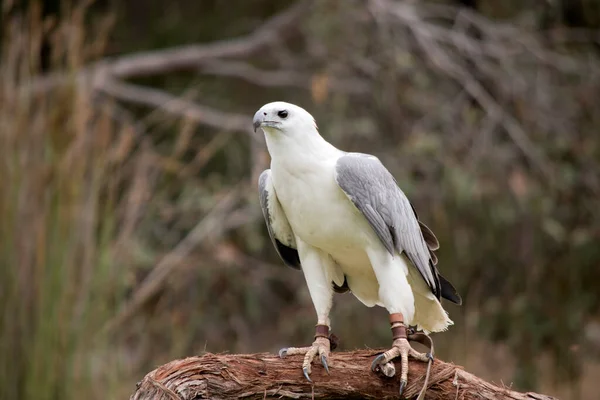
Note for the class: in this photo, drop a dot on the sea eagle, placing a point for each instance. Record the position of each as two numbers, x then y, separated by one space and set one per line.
342 219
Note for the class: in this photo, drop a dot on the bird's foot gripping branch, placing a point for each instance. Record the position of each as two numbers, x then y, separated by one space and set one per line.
266 376
324 343
402 348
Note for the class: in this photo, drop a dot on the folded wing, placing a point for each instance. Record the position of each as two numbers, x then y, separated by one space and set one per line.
374 192
278 226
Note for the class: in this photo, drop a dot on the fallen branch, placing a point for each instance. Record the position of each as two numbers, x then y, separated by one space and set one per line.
261 376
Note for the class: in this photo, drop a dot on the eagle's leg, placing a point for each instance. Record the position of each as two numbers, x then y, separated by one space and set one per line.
321 347
315 266
400 348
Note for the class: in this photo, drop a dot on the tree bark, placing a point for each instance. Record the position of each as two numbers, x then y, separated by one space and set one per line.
265 376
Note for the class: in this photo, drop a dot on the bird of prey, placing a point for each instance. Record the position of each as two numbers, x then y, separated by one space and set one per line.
342 219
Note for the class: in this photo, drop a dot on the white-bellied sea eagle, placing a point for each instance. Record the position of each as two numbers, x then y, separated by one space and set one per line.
342 219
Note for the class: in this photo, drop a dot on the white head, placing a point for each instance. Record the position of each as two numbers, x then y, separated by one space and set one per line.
291 132
280 118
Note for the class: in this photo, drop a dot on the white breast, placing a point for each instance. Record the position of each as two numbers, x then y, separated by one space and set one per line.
317 209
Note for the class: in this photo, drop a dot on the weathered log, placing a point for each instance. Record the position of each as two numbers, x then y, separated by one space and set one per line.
264 376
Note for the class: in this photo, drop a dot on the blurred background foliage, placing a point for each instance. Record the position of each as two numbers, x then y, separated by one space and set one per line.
130 231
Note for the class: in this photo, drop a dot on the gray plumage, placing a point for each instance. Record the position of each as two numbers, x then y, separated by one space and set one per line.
374 192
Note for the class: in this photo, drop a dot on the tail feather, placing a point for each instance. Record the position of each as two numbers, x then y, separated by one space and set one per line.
448 291
429 316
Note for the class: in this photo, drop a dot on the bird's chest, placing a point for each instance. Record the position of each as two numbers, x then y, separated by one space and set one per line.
317 209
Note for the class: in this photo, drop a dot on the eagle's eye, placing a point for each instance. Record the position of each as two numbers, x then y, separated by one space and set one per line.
282 114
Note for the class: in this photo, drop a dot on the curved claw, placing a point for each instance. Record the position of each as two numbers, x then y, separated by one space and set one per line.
429 356
376 362
283 352
324 362
402 387
306 374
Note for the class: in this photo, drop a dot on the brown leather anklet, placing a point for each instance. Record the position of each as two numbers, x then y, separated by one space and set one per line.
322 331
398 331
398 327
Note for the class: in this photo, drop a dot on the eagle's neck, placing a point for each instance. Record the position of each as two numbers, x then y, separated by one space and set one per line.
298 149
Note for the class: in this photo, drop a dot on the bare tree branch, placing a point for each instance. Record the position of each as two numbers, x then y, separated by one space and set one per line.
176 106
277 78
180 58
189 57
430 39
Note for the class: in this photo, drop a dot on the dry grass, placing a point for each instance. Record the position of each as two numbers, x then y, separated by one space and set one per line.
80 181
65 166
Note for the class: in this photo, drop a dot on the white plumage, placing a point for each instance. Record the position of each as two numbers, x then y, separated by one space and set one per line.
307 210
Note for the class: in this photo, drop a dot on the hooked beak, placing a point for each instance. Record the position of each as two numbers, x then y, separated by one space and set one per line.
259 121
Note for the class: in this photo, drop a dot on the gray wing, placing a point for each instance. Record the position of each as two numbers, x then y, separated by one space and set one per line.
374 192
278 226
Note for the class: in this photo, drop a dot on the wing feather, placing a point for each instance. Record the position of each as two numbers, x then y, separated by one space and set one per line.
374 192
279 228
429 237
